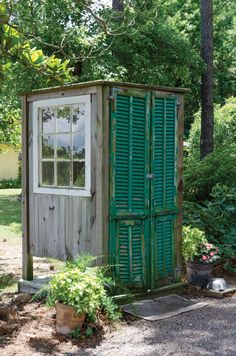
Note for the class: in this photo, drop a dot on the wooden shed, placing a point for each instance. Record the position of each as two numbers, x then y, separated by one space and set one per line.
102 174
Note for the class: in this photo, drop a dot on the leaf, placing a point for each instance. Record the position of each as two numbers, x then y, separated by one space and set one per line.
89 331
4 17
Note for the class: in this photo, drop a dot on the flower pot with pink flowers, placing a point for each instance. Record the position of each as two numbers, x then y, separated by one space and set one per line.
199 256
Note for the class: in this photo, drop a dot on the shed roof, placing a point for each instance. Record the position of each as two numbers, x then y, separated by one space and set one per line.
105 83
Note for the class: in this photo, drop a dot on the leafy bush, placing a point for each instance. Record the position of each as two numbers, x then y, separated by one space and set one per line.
192 239
224 128
10 183
217 168
217 218
83 287
201 176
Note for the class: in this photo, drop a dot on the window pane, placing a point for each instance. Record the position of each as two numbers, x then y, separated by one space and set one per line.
47 173
63 119
79 145
48 120
63 146
79 174
48 146
63 173
78 114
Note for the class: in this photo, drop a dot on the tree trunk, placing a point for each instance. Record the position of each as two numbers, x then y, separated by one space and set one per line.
207 109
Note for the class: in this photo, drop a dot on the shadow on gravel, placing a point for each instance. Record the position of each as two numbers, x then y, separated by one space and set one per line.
209 331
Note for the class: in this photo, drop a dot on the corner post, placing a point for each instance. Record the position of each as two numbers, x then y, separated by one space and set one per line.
27 259
180 135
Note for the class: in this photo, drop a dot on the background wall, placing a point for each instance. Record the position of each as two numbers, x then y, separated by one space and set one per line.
8 162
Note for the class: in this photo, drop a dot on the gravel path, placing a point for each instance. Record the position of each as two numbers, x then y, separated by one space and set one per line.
207 331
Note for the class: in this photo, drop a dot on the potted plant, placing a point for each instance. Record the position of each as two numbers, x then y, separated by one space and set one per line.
78 292
199 256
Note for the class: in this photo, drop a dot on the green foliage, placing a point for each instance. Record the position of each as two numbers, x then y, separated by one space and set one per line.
20 61
10 121
76 333
82 287
192 239
200 177
217 218
220 166
10 183
195 246
16 48
224 128
151 42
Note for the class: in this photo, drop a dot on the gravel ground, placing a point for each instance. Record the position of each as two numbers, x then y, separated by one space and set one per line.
207 331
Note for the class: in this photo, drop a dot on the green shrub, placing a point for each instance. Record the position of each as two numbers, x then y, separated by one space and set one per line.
217 218
10 183
192 239
217 168
224 128
83 287
201 176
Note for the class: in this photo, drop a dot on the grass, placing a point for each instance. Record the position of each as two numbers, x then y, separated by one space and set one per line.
8 283
10 213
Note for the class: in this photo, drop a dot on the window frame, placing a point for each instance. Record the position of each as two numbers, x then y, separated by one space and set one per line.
72 100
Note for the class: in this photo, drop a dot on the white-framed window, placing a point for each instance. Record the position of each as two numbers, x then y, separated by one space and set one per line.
61 146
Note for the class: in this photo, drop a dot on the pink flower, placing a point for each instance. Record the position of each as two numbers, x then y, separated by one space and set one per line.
204 258
212 253
209 246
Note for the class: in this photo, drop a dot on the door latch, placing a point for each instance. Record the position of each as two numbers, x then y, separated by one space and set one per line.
150 175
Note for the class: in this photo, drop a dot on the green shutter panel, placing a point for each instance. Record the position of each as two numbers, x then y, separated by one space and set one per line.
130 153
130 244
170 166
158 152
130 191
164 153
164 184
137 173
164 246
122 163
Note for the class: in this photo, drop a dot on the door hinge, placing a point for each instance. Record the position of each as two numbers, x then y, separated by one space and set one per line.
150 175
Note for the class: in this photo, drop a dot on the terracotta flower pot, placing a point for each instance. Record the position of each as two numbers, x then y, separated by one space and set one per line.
67 320
199 273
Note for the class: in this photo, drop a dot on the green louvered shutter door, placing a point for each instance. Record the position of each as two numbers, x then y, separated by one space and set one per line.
129 194
164 185
164 153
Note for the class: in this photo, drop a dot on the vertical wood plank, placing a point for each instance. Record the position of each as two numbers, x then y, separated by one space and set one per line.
93 209
61 230
27 259
180 135
104 113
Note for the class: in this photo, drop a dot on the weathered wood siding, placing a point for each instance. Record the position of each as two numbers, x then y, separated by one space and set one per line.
63 226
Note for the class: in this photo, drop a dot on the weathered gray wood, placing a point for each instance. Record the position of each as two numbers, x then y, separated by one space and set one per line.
96 166
180 137
103 83
104 113
27 259
64 226
61 94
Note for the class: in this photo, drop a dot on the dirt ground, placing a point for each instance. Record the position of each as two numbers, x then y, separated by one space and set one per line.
28 328
10 259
